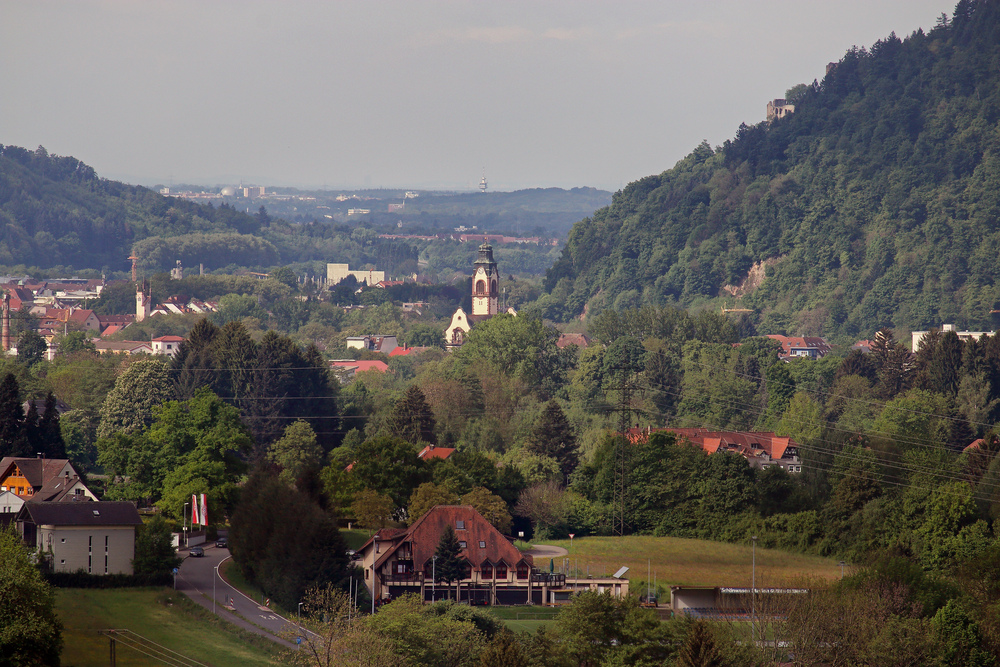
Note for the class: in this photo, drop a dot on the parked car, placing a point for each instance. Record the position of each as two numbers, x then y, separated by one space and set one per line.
196 552
222 543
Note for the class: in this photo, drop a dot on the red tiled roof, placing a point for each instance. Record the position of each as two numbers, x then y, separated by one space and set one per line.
361 366
169 339
432 452
751 444
578 339
975 444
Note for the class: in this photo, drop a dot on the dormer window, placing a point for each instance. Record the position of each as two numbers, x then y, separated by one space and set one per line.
462 544
460 525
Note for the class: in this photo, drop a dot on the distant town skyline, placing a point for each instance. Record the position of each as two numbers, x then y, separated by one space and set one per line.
397 94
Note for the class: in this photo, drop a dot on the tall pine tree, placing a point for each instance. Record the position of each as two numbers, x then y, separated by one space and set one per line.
553 436
412 418
449 565
12 441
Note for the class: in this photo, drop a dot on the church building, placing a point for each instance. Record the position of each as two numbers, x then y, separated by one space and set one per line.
485 299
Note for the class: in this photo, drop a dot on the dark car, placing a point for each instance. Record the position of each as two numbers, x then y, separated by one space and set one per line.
196 552
222 543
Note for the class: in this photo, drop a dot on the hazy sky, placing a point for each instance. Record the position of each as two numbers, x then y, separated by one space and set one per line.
411 93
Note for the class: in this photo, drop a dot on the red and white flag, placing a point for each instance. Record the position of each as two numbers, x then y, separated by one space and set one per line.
194 509
204 510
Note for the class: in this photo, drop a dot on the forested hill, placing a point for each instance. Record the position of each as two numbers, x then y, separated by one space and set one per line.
877 203
56 211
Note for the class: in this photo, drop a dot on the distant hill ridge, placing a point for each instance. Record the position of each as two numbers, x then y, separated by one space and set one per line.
876 203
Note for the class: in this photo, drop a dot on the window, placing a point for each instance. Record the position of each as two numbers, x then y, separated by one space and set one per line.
482 544
462 544
366 574
460 525
501 570
487 570
522 570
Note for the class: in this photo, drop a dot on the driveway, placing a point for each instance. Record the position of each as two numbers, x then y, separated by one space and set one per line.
539 551
196 578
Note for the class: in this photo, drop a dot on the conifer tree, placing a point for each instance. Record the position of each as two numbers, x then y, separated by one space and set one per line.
12 441
554 437
412 418
49 431
449 565
700 650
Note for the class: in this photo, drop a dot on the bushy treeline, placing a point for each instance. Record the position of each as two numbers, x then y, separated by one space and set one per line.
871 204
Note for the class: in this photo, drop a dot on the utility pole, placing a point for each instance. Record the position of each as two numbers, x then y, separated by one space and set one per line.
622 454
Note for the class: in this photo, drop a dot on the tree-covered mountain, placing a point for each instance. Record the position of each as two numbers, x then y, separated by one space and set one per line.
876 203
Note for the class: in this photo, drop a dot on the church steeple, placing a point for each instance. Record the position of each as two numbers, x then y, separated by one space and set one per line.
485 284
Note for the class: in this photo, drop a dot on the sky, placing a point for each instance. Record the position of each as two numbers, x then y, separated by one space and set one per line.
411 94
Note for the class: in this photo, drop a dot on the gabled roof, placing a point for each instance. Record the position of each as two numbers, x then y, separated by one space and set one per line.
433 452
36 471
751 444
425 533
104 513
169 339
578 339
60 489
361 366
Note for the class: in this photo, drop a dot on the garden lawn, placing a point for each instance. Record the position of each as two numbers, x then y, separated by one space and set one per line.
676 561
159 614
525 619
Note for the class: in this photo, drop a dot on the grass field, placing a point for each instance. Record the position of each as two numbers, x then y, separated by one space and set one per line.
676 561
525 619
162 615
354 538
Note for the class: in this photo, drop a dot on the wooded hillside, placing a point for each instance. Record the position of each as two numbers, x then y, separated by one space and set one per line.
874 204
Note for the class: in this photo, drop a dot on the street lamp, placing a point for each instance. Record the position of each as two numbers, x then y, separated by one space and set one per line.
299 646
184 521
841 564
213 587
753 590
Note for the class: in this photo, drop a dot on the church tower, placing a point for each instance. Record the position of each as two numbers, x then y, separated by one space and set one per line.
142 299
485 284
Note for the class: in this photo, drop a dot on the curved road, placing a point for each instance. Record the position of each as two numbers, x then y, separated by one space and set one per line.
546 551
196 578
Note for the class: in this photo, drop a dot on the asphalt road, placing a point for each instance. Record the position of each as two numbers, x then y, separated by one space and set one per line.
196 578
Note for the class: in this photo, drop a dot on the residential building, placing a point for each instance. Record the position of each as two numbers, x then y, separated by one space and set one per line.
377 343
26 476
434 452
126 347
761 449
917 337
166 345
400 561
337 272
96 537
578 339
793 347
347 369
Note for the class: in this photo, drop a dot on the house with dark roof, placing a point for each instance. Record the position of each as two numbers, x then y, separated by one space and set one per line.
97 537
27 476
400 561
